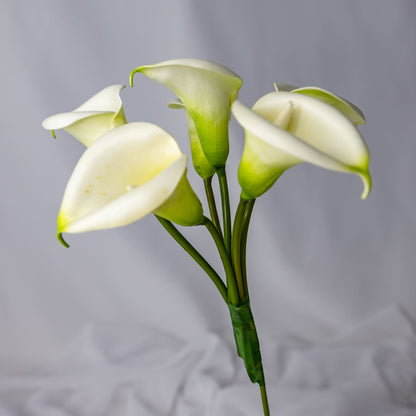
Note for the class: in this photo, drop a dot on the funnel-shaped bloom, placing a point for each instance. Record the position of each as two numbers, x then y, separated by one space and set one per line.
200 161
287 128
131 171
101 113
207 90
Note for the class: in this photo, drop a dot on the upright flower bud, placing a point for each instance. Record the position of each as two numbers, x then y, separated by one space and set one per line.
201 165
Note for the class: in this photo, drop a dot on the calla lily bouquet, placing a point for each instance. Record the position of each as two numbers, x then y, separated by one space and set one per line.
130 170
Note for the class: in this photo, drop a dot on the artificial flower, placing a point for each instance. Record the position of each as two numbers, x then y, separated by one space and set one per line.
131 171
286 128
100 114
207 91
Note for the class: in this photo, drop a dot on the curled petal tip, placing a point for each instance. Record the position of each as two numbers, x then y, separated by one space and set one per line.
132 73
131 79
61 240
366 178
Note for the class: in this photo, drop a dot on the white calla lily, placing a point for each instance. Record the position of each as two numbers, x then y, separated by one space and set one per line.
98 115
207 90
131 171
287 128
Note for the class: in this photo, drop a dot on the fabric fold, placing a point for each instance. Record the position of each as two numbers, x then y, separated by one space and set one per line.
368 370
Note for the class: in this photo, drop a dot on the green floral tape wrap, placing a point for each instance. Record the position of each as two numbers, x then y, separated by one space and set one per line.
245 335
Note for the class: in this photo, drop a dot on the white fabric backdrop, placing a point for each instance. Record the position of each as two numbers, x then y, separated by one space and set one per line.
322 263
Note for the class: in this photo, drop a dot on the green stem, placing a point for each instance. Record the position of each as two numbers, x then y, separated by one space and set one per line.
211 203
225 201
193 252
264 400
238 251
239 244
243 251
233 296
236 248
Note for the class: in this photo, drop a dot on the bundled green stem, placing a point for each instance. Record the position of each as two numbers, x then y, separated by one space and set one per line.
232 250
245 335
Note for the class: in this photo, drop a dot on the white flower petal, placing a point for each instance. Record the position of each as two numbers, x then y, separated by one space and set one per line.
281 139
207 90
341 104
101 113
316 133
140 155
134 204
108 99
62 120
195 63
318 124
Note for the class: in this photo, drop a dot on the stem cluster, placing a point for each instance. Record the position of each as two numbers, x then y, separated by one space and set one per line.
231 243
